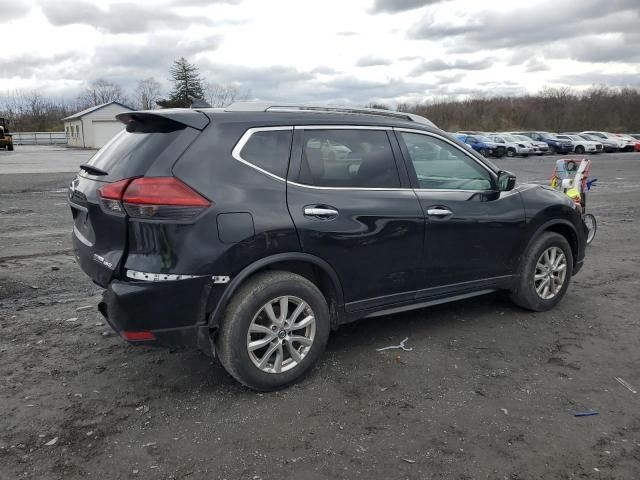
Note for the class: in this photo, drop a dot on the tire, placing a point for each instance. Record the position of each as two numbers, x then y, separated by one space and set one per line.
525 155
247 309
579 149
552 150
511 152
10 148
484 152
525 294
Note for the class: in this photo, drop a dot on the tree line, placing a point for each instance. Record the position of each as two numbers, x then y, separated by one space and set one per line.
32 111
552 109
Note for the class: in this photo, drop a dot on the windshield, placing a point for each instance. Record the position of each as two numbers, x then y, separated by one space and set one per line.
575 137
483 139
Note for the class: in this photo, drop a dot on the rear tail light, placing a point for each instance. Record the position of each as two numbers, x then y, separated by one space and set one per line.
159 198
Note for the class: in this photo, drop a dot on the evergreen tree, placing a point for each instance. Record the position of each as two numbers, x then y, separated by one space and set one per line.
187 85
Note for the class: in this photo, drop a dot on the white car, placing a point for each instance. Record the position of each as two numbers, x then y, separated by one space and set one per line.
608 139
513 145
581 145
539 148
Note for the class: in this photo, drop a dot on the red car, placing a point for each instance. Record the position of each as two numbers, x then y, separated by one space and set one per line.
632 144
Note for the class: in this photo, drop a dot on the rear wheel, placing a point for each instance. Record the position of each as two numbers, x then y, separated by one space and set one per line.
545 273
274 330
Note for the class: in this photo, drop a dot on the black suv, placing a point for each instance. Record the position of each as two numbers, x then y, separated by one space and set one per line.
254 230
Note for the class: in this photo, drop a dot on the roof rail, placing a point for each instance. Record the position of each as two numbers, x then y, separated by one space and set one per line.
271 107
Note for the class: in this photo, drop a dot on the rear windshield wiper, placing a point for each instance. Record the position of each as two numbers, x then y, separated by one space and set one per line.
91 170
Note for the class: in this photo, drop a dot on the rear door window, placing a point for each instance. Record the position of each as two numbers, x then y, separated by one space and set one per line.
348 158
269 150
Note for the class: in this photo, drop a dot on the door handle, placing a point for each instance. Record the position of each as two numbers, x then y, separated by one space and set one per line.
439 212
321 212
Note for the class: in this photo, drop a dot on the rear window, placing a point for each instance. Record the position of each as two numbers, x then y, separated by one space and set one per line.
131 154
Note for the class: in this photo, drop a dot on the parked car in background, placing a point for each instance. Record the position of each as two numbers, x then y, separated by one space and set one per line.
483 145
615 143
555 145
608 145
513 145
582 145
635 135
539 148
632 144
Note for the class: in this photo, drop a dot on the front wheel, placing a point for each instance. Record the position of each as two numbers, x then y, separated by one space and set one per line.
592 226
545 273
274 330
484 152
579 149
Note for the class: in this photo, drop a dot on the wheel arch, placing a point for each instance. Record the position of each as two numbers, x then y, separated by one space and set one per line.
562 227
309 266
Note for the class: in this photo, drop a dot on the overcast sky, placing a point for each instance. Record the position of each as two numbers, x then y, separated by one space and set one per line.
328 51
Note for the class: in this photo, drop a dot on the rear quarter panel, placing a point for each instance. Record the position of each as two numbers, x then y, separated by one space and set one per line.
232 187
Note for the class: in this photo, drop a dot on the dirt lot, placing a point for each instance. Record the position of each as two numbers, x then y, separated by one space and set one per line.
489 391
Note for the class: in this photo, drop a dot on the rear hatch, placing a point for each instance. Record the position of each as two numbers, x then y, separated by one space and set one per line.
149 145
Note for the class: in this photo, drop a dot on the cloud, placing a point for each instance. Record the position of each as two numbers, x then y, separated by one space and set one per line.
600 78
490 29
536 65
117 18
372 61
27 65
12 9
395 6
205 3
599 49
324 70
439 65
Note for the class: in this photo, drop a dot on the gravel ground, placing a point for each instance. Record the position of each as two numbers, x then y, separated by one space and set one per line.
489 390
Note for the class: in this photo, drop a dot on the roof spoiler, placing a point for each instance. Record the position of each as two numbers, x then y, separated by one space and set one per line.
166 120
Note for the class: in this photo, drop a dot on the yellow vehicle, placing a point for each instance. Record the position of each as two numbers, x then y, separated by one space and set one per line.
6 139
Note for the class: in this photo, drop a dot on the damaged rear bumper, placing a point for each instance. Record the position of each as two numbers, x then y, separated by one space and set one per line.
166 314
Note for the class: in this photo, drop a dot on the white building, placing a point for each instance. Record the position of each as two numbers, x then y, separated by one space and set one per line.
95 126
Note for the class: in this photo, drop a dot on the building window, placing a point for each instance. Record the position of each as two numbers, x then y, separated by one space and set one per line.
77 131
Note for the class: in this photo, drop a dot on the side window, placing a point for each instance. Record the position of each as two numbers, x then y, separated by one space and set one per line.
269 150
440 165
348 158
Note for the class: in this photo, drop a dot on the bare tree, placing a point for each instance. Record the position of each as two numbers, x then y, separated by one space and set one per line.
102 91
147 93
222 95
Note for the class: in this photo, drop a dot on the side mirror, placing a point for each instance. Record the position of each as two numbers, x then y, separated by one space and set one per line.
506 181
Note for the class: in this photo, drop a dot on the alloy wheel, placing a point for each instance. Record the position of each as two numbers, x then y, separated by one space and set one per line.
550 273
281 334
